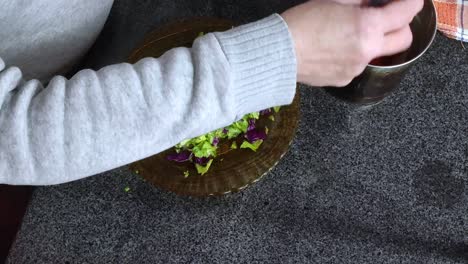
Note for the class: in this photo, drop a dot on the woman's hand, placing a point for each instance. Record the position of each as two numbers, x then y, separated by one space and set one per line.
334 42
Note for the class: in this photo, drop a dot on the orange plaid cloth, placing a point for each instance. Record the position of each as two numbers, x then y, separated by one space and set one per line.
453 18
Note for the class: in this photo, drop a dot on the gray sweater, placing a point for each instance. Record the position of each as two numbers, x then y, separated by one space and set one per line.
100 120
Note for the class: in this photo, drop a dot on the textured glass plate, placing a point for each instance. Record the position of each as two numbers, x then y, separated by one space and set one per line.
232 170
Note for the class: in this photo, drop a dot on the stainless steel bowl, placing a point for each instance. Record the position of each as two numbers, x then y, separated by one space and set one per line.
377 82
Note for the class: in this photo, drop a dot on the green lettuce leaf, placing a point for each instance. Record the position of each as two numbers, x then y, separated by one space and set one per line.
182 144
233 132
242 125
203 169
253 146
204 150
234 145
254 115
219 134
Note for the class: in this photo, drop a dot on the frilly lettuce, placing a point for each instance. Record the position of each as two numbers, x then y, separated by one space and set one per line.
202 150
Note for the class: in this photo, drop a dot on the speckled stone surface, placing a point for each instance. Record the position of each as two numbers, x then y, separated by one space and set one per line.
386 184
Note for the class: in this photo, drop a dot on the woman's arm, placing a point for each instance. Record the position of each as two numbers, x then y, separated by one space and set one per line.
100 120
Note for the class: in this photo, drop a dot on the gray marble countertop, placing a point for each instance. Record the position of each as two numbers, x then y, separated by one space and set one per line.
386 184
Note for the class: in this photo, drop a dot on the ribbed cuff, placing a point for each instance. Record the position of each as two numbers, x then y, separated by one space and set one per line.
263 62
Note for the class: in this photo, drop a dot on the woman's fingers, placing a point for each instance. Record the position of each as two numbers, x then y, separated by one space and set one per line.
396 14
397 41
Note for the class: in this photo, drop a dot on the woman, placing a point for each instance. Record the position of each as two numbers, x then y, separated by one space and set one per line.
99 120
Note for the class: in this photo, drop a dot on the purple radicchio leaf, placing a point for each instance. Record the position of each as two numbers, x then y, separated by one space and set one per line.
254 135
266 112
251 125
180 157
201 161
215 141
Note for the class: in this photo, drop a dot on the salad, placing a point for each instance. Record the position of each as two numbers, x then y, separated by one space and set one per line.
202 150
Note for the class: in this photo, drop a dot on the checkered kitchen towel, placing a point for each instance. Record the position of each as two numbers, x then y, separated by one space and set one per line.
453 18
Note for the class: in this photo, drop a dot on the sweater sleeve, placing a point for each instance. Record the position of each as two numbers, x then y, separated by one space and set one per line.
100 120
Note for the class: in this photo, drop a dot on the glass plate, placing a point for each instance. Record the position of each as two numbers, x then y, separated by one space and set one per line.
232 170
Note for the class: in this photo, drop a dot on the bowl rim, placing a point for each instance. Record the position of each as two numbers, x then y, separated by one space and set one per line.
434 33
